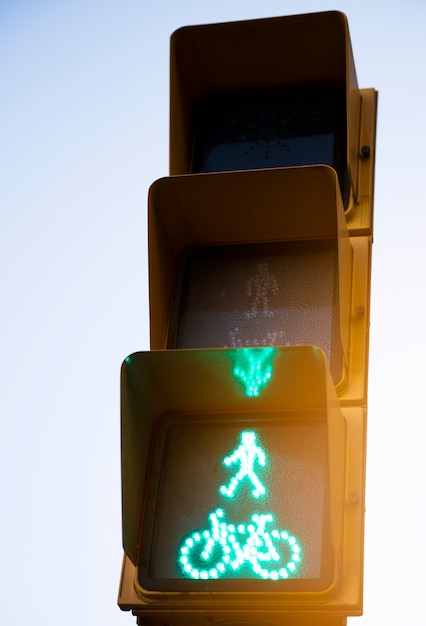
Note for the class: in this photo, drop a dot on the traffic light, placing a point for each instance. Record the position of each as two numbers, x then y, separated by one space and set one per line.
244 427
273 93
241 501
258 258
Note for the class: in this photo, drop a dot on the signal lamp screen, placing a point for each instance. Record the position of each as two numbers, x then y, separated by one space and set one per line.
241 502
251 130
259 295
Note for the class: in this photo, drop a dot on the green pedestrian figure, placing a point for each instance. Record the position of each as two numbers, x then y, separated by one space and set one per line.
247 453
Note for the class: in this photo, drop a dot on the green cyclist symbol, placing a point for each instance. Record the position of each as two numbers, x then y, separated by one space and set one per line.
227 549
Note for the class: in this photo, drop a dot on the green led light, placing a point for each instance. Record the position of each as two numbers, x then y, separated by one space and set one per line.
223 550
246 455
253 368
252 550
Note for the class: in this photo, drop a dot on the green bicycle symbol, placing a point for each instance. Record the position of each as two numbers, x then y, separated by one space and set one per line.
226 549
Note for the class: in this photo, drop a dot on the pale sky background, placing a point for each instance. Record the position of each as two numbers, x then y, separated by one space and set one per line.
84 132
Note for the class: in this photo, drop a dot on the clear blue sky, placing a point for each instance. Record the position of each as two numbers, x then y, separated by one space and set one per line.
84 132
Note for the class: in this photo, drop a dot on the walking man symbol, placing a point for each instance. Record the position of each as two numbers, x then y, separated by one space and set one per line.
247 453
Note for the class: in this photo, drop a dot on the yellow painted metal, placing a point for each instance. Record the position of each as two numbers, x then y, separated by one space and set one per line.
360 214
312 50
277 205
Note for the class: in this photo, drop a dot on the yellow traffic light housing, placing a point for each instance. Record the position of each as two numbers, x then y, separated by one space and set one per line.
243 492
244 427
283 89
258 258
274 92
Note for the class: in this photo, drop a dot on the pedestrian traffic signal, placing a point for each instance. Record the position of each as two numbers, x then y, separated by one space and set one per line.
259 258
274 92
244 427
243 492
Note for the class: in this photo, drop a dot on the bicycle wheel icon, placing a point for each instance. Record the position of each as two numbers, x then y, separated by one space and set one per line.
205 554
272 555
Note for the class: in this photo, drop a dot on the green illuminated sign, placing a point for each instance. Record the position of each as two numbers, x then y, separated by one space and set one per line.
253 368
241 549
246 455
